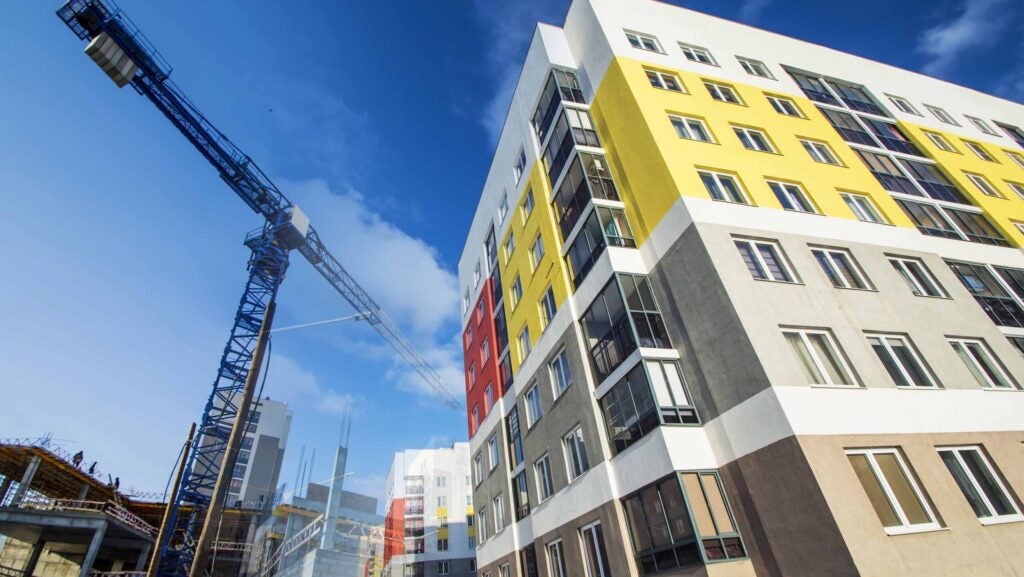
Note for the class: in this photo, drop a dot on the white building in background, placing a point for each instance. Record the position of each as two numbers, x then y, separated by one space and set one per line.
259 461
428 524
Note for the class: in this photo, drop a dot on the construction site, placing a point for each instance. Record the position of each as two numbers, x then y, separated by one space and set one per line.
224 512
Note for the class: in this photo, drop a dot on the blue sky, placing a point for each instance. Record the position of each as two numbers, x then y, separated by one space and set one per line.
124 261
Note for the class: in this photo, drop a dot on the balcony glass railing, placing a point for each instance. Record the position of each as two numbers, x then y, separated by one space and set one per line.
1004 312
612 348
587 178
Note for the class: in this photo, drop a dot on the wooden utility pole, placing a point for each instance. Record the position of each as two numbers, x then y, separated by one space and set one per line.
227 466
165 524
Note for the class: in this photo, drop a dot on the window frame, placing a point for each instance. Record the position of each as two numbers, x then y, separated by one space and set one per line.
681 124
493 453
925 370
548 307
783 261
836 350
1016 157
979 371
542 474
857 199
984 185
558 556
640 37
527 205
979 150
993 473
577 458
814 149
776 102
718 177
789 195
519 168
696 51
905 526
912 280
1016 187
982 126
498 502
903 105
561 359
941 142
718 90
525 346
829 254
941 114
660 76
536 252
750 133
531 418
515 291
749 65
600 549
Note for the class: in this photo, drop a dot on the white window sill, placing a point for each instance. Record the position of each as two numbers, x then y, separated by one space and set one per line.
844 387
1002 520
929 528
1001 390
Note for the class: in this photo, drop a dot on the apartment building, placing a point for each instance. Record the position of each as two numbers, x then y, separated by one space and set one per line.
428 520
737 304
258 468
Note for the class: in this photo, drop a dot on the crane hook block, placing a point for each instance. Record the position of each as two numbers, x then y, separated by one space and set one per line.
112 59
293 227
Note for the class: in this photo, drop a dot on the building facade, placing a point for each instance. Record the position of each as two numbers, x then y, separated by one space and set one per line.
258 468
428 519
737 304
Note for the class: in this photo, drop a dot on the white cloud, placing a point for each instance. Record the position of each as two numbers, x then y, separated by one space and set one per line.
978 24
298 386
508 28
751 10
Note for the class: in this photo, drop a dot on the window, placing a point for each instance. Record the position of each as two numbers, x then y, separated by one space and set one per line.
942 115
1017 158
475 421
562 86
527 206
561 374
485 349
524 343
499 516
545 488
820 152
520 166
841 268
664 80
503 570
983 185
784 106
690 128
755 67
940 141
510 246
594 552
712 516
472 374
822 361
753 139
917 276
481 524
556 559
476 275
478 468
442 545
441 481
536 252
982 125
981 484
472 562
697 54
764 260
516 291
533 406
547 307
661 528
503 208
442 566
1014 132
814 88
643 310
520 496
722 187
979 150
643 41
575 453
989 292
863 208
480 311
980 361
442 501
515 440
722 93
632 407
901 360
465 304
489 396
1016 187
492 452
928 219
848 127
903 104
792 197
892 491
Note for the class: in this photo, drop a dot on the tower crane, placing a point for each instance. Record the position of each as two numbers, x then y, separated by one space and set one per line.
128 58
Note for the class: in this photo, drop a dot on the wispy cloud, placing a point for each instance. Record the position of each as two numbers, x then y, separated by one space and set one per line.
750 10
300 387
508 28
977 24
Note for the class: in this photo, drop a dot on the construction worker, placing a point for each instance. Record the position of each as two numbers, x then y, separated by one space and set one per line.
76 460
92 468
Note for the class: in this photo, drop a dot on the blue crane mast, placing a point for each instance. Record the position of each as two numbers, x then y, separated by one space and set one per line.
118 46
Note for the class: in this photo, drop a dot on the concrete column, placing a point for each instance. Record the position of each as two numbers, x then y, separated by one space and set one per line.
33 558
94 549
84 492
4 487
26 480
334 500
140 565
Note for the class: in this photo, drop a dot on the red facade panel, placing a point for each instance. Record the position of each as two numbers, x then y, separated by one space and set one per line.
480 356
394 531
